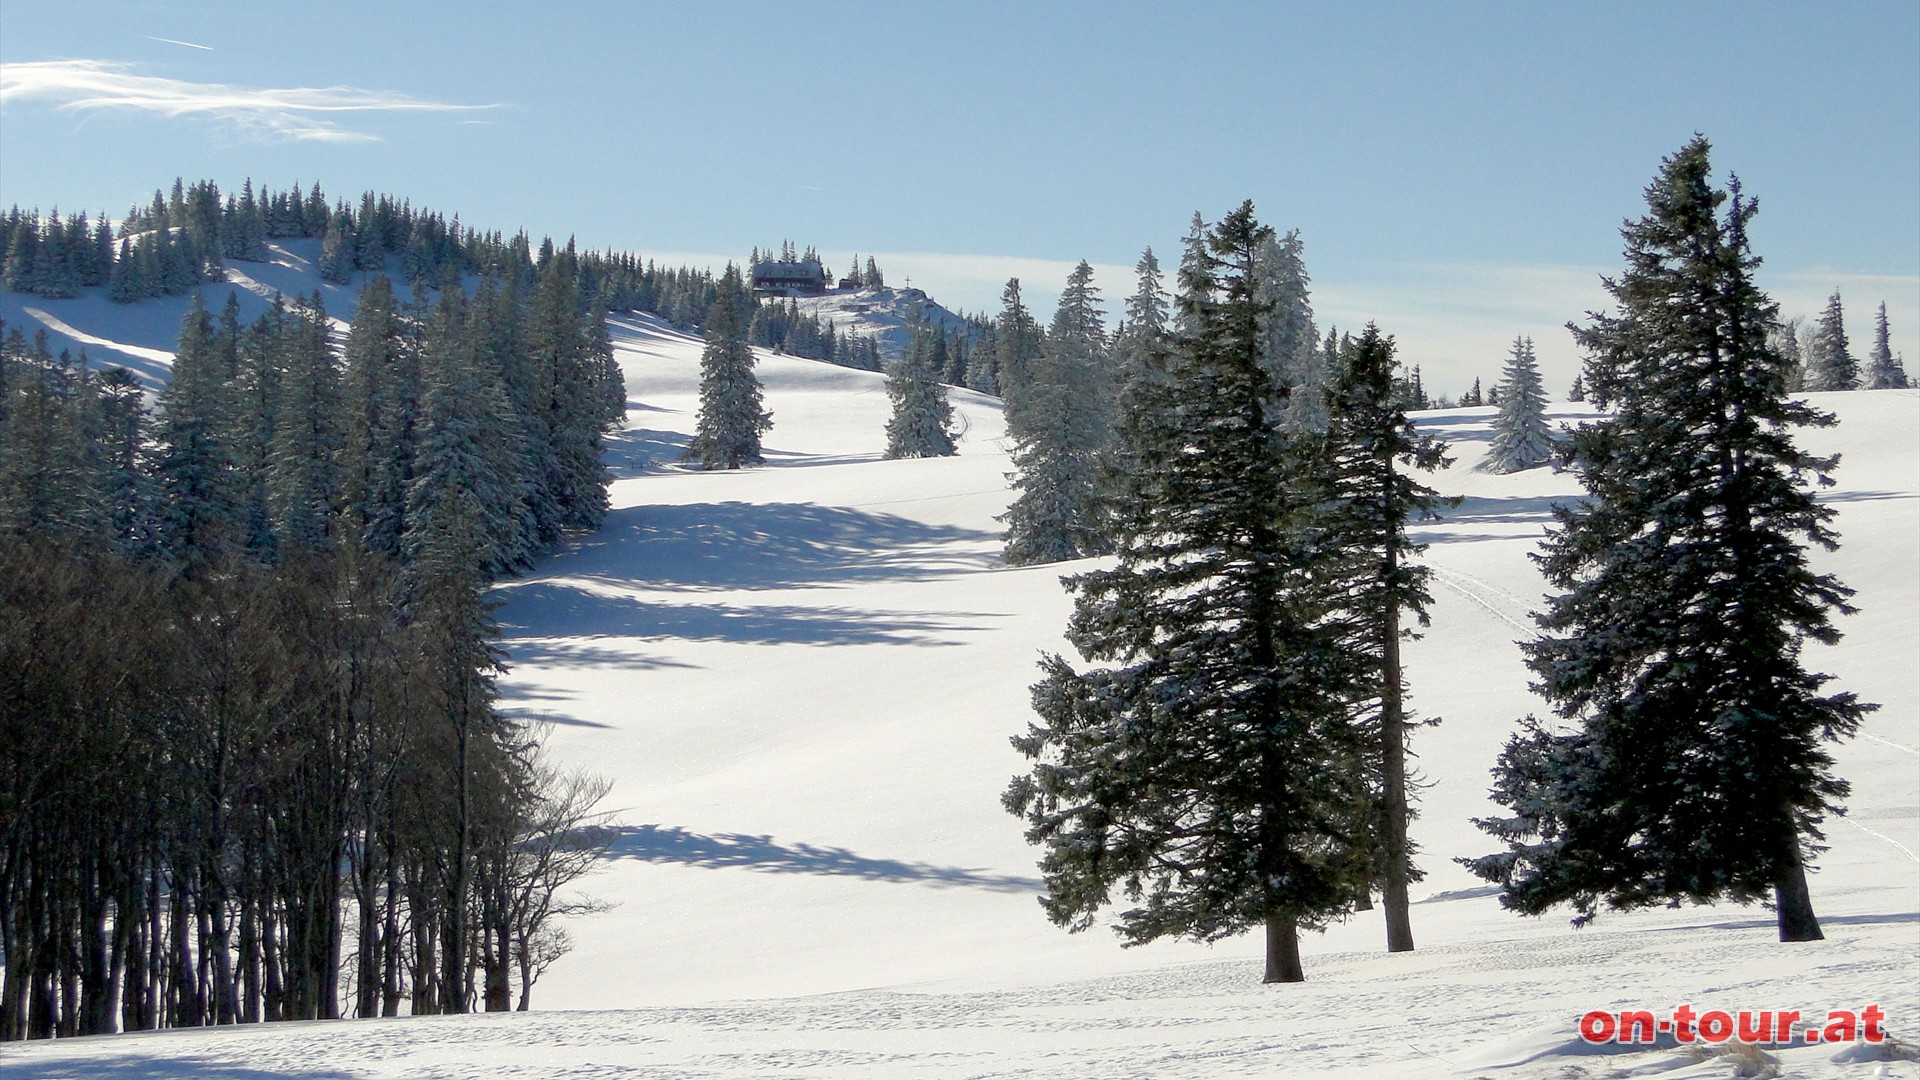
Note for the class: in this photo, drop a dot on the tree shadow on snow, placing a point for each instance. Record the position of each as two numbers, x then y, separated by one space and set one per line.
159 1066
720 851
552 609
1768 922
1538 510
636 331
1862 496
530 701
734 545
637 451
1453 526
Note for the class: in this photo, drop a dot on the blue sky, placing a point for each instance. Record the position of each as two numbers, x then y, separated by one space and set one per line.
1458 171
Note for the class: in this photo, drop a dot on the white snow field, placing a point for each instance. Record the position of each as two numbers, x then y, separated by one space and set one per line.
802 678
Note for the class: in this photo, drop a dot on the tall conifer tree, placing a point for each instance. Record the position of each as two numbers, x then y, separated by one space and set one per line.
305 467
1140 351
1884 370
1209 772
1294 359
921 423
382 398
1521 438
195 465
1370 501
732 415
1697 770
1830 364
1060 431
1017 345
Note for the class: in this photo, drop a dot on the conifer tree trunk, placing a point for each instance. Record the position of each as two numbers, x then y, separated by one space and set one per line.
1393 793
1283 949
1792 902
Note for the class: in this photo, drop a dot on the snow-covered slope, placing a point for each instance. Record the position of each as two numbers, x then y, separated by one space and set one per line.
141 336
802 679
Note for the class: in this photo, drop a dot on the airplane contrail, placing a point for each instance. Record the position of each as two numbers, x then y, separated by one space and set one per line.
172 41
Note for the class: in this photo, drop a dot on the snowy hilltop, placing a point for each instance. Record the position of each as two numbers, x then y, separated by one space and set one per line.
880 315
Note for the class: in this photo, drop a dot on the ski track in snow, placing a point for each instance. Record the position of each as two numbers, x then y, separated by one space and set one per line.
1483 596
1898 846
1902 747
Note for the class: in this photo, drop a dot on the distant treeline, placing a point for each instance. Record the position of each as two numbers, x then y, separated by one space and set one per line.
185 238
254 767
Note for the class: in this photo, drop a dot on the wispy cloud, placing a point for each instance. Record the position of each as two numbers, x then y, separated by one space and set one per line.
297 113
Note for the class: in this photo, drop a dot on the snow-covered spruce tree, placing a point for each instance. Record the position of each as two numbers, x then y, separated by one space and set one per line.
1207 772
1830 364
1578 391
464 503
1413 393
1139 343
303 455
958 348
489 343
1786 337
1884 371
1294 360
194 467
1017 344
257 361
604 379
337 249
126 488
382 393
1140 349
1369 501
44 473
922 421
1697 770
570 414
1521 438
1057 415
732 413
983 363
